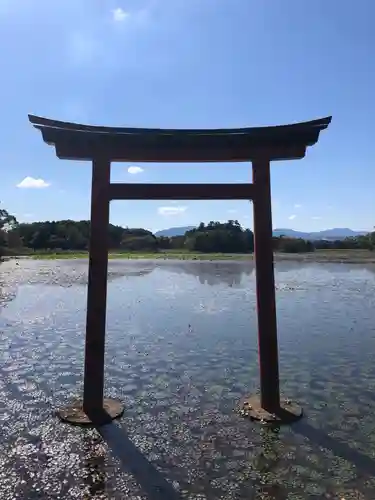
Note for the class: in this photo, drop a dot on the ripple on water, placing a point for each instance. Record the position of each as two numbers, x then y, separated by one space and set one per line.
181 351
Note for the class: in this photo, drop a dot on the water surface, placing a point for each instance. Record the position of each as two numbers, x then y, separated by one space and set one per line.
181 351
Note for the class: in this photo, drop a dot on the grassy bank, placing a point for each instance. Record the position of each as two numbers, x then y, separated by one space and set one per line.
348 256
147 255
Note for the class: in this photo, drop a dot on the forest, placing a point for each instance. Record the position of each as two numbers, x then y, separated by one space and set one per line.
214 237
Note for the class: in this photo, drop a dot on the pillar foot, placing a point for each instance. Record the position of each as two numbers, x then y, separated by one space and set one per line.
74 413
287 413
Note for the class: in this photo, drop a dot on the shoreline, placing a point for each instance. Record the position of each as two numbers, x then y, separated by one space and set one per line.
318 256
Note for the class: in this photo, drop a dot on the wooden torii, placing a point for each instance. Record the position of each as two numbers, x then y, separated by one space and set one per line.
103 145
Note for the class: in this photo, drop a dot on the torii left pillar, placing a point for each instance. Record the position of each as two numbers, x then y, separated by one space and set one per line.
95 409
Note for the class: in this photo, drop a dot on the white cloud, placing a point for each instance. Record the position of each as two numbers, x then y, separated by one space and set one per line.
176 210
135 170
98 42
232 211
119 15
297 205
32 183
291 217
316 217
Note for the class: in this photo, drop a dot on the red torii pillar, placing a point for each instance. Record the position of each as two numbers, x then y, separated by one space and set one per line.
102 145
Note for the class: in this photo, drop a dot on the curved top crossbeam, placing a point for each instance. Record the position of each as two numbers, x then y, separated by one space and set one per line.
85 142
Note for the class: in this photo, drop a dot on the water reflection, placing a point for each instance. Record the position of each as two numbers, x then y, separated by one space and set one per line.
179 387
213 273
331 267
68 272
77 274
236 273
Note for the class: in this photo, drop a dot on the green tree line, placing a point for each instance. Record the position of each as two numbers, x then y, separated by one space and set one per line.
214 237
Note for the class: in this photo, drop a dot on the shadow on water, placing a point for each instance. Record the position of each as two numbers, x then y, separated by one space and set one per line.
157 487
363 463
94 464
267 463
132 460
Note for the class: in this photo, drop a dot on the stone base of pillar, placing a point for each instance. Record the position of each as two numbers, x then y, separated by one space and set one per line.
75 414
288 412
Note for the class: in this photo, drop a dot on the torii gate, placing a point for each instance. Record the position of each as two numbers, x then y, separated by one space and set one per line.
101 146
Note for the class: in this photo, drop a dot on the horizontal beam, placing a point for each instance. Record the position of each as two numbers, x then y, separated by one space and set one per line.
70 151
132 191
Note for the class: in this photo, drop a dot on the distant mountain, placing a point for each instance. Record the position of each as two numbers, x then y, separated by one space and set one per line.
340 232
328 234
174 231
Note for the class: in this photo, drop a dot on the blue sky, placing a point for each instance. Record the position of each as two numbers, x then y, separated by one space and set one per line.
191 63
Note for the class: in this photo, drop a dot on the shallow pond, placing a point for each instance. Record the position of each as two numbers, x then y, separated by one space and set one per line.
181 351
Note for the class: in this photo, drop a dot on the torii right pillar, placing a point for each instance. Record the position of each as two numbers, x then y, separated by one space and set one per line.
267 407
